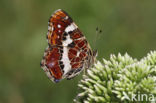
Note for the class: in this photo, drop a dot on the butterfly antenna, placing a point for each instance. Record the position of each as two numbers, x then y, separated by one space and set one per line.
96 36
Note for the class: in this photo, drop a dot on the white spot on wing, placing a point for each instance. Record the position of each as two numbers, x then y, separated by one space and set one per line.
67 41
50 28
66 17
78 53
59 26
71 27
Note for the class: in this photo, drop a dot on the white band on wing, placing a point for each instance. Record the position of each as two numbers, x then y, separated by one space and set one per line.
71 27
65 60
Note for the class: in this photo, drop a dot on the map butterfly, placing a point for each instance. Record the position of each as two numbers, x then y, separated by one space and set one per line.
68 52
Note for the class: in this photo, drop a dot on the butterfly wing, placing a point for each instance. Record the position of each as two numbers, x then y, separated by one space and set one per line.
68 52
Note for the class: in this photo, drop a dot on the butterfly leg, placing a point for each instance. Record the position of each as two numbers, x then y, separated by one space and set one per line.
72 73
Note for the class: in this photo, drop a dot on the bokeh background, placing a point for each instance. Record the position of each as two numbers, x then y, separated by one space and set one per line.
127 26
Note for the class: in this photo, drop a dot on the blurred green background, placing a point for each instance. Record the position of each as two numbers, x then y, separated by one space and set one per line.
127 25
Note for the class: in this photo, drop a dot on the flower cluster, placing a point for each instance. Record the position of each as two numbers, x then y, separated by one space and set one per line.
118 79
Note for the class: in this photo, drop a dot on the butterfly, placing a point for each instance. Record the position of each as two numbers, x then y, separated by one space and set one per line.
68 52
